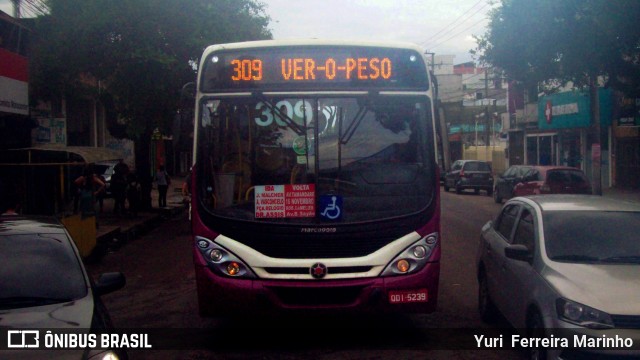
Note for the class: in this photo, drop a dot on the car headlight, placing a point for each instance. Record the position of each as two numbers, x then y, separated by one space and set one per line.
222 261
583 315
413 258
104 355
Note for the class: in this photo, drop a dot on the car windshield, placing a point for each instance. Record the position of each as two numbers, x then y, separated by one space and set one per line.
566 177
476 166
368 153
103 169
592 236
38 269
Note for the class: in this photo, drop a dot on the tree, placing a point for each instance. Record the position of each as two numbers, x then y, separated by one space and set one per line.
567 40
142 52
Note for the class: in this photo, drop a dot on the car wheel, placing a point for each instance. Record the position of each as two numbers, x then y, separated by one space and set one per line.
458 189
489 191
486 307
446 188
535 329
476 191
496 196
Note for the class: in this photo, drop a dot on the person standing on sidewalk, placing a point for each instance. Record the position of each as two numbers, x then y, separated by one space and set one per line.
163 181
119 187
89 186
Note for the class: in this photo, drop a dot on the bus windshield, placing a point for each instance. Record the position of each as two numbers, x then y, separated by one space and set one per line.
299 159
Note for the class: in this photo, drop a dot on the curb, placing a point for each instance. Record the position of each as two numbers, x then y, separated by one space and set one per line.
116 236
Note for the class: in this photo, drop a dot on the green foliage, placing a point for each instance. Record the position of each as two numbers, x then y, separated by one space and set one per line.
565 40
140 51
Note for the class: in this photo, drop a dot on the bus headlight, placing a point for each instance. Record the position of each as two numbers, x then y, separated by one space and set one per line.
414 258
221 261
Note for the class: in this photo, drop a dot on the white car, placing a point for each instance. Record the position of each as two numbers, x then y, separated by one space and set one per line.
562 267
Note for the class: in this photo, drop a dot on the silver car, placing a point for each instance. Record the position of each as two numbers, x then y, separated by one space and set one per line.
567 265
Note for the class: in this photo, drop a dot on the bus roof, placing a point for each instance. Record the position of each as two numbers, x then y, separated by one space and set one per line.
312 42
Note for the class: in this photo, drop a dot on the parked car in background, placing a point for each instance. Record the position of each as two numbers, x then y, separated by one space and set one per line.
566 263
553 180
106 170
506 181
45 285
469 174
522 180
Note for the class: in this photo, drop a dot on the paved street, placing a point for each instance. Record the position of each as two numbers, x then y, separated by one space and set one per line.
160 294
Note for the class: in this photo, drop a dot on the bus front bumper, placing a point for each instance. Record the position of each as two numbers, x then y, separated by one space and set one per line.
414 293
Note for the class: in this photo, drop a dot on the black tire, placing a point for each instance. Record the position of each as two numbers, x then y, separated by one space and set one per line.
446 188
486 307
496 196
489 191
535 328
458 189
476 191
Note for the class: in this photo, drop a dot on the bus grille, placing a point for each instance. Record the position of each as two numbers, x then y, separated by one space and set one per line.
316 248
306 270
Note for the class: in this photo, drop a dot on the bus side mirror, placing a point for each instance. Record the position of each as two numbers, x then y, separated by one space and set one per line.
188 91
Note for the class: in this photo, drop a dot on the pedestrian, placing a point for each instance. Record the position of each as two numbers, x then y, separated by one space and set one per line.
133 194
102 194
119 187
163 181
89 186
186 188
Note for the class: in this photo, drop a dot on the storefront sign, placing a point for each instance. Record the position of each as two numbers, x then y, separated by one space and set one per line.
571 110
629 121
51 131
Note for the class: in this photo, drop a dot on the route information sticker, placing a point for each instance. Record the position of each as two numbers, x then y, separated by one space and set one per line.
285 201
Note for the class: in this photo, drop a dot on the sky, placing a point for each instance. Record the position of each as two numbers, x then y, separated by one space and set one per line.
441 27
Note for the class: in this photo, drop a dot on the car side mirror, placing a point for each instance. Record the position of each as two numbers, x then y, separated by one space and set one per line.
487 226
518 252
109 282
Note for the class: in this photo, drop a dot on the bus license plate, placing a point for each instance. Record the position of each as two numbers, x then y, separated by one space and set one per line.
408 296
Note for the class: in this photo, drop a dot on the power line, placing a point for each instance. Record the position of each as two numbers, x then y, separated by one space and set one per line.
448 29
458 33
32 8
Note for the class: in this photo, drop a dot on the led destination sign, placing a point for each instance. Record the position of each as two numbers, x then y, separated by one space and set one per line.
314 68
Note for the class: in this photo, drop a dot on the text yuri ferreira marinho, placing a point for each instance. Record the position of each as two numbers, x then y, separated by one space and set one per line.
575 341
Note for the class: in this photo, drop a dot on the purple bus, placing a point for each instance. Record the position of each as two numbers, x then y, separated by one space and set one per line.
315 183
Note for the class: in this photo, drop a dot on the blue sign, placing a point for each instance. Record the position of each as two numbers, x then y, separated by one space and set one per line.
330 207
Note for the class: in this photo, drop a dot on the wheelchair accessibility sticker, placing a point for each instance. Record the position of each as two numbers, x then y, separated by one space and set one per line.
330 207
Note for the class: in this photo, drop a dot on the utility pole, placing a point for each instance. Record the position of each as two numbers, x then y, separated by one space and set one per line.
486 116
16 8
596 149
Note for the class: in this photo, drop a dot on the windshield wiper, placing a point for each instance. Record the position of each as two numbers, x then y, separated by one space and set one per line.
355 123
287 120
27 301
632 259
575 258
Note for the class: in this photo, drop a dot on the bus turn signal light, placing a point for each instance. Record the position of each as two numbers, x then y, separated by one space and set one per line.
403 266
233 268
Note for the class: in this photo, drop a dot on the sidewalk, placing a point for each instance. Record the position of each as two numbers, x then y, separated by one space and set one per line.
622 194
114 230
